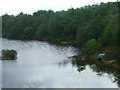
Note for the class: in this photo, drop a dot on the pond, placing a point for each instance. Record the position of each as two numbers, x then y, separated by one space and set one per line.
43 65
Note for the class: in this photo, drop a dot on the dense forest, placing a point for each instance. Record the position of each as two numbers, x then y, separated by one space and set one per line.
90 27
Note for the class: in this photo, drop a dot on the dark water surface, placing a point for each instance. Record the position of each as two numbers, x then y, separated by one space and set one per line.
42 65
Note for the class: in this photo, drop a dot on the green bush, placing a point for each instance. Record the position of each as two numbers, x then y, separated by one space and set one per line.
9 54
92 46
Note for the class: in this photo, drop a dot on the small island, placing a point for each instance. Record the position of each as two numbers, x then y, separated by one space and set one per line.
8 55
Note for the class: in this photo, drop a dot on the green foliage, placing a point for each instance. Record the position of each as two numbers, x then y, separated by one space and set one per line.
110 36
92 46
29 33
90 43
9 54
94 26
41 32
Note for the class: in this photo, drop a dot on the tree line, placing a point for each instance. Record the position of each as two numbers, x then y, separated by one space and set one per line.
92 26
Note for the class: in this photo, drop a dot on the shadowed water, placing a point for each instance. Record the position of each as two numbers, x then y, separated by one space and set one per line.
42 65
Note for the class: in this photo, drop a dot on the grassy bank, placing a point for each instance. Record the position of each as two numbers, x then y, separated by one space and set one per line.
112 59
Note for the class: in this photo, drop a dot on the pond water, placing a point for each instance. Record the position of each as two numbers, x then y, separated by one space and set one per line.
44 65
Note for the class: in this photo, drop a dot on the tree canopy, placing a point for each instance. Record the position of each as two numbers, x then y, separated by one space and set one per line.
90 24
